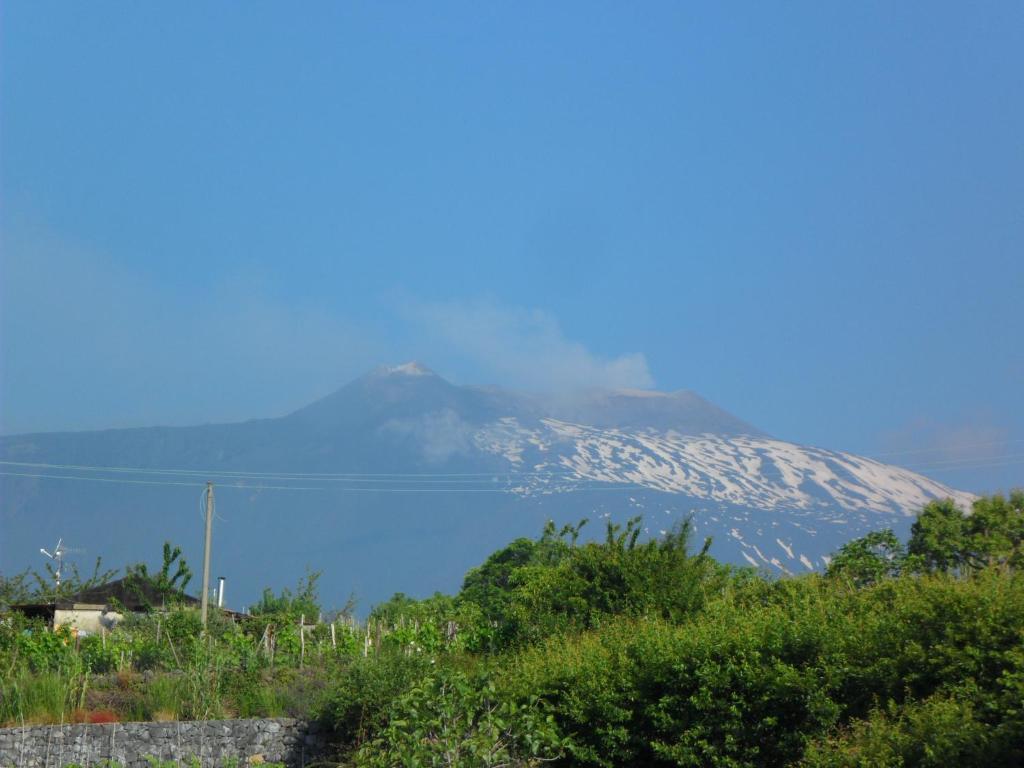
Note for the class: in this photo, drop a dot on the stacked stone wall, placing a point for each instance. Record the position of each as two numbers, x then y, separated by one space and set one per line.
213 743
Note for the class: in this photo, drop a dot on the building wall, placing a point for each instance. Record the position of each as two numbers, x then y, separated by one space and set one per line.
82 617
217 743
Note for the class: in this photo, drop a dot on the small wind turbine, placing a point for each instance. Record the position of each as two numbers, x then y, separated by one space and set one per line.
58 557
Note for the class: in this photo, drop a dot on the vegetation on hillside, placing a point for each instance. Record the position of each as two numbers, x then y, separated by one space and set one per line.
618 652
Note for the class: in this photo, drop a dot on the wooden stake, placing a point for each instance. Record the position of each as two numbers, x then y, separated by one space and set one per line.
174 652
265 640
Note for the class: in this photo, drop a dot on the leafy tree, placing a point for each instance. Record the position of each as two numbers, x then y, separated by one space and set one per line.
290 606
400 607
15 589
994 531
937 537
170 587
490 586
944 538
71 581
868 559
593 582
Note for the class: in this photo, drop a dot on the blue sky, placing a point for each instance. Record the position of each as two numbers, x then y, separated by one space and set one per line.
811 213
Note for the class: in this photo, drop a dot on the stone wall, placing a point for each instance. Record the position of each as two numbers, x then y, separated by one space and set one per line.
216 743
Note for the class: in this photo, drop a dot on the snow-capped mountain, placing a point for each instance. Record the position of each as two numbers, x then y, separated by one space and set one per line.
758 472
749 491
402 480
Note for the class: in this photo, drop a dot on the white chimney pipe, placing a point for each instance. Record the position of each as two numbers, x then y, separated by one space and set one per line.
220 591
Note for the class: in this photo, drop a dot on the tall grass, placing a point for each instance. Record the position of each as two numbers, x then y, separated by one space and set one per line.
49 697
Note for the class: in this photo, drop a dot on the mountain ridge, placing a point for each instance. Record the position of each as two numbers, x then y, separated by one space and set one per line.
403 467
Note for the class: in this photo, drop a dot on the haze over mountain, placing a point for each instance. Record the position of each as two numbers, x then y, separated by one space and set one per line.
401 480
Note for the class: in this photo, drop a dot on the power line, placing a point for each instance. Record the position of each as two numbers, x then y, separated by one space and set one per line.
592 485
499 482
132 481
324 476
470 478
986 465
505 478
966 460
947 448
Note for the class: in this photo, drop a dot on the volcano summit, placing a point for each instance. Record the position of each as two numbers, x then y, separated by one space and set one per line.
401 477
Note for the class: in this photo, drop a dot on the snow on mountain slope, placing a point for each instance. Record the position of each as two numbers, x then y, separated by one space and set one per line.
764 502
756 472
405 468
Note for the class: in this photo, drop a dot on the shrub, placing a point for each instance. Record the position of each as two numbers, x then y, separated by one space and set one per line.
935 733
764 670
585 586
450 719
359 700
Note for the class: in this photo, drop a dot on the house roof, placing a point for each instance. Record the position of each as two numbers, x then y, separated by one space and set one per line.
132 592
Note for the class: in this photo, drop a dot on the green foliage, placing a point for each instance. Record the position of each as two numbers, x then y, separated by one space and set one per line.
27 697
937 732
624 652
15 589
192 762
945 538
994 532
937 537
869 559
289 606
533 589
589 584
450 719
490 585
169 587
223 673
71 581
361 697
765 668
732 688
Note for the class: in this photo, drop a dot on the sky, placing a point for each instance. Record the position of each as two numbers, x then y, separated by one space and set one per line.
810 213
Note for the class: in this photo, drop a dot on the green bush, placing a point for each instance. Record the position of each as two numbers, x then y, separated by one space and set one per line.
450 719
935 733
558 587
767 668
618 653
358 704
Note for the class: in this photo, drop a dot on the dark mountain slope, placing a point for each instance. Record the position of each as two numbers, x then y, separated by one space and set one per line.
402 480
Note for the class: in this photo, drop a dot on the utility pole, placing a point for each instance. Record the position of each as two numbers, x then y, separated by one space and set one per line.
206 553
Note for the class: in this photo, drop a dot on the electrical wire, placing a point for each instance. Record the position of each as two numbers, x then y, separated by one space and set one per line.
132 481
986 465
288 475
592 486
493 478
948 448
407 482
1011 457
